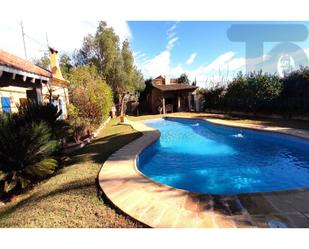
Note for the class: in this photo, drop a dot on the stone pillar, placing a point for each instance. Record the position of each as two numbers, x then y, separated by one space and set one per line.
178 103
189 102
196 101
163 105
39 97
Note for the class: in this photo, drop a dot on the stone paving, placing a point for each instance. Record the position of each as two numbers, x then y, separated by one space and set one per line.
158 205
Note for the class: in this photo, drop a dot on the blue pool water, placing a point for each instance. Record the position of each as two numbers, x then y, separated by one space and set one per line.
202 157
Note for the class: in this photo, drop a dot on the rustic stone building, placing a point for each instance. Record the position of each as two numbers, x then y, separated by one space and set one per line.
167 95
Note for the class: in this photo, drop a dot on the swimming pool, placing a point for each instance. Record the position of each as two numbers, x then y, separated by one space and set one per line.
202 157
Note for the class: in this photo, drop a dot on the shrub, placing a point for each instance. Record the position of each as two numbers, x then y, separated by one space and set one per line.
214 97
262 90
78 125
295 94
26 150
90 94
253 92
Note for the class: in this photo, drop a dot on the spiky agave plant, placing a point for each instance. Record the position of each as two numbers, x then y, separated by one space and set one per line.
26 152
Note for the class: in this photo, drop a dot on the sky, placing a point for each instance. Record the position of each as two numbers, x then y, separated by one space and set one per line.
202 49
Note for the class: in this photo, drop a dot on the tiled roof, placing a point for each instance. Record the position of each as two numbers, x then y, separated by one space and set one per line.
15 62
175 87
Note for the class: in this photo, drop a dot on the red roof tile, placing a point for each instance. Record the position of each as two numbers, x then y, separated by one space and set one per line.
13 61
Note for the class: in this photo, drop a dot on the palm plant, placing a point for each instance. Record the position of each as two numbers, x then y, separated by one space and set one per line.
26 150
48 113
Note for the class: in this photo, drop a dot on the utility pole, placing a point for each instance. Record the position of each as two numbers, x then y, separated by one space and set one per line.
23 35
47 40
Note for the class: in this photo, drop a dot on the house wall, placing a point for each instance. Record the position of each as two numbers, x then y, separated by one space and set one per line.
60 96
159 81
19 94
15 94
156 100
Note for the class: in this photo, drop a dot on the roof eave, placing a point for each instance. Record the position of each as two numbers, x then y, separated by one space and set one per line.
61 82
12 70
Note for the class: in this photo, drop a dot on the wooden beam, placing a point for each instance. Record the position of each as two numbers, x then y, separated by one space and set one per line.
13 76
1 72
24 78
33 80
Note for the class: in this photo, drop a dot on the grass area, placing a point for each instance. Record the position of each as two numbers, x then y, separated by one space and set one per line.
71 197
297 124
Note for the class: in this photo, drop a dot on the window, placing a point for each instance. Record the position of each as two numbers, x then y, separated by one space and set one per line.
6 104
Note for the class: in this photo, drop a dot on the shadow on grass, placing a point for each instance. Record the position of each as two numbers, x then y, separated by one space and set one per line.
100 149
96 152
41 195
296 124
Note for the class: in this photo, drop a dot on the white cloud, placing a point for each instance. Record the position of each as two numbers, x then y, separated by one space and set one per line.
160 64
220 61
221 68
172 28
236 63
121 28
171 43
171 36
191 59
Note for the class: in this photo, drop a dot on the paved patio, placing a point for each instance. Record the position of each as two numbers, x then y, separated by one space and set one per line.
158 205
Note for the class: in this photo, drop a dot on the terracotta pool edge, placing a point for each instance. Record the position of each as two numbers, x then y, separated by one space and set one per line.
134 171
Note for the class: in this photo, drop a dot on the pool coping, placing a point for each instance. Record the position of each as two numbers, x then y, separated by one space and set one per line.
159 205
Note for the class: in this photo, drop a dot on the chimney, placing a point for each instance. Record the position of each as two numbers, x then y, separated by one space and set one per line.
54 63
167 80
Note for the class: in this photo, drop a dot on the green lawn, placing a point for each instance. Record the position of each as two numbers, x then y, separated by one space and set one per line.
72 198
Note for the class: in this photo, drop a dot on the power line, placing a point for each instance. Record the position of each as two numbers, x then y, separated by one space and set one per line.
23 35
40 44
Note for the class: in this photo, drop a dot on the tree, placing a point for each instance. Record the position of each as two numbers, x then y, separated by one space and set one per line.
183 78
132 78
66 65
89 93
194 82
114 63
42 62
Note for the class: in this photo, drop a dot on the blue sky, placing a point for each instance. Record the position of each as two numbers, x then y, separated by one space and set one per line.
201 49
